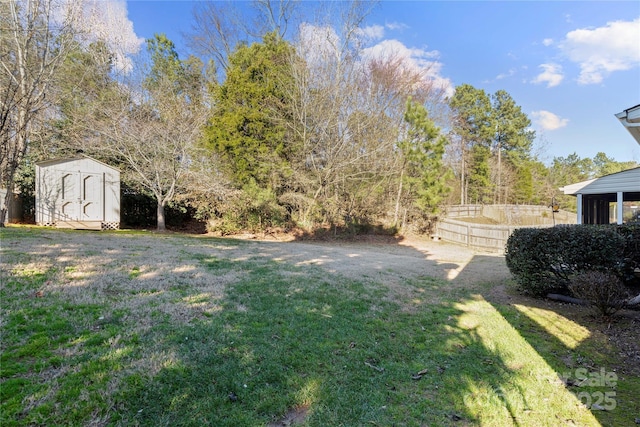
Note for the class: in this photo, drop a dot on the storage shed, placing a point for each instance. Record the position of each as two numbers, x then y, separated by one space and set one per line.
79 192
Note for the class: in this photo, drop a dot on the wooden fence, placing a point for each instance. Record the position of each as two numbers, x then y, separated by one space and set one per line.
493 238
512 214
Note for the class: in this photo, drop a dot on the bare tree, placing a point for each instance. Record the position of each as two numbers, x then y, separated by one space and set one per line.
274 16
219 27
216 31
326 111
36 37
153 131
348 114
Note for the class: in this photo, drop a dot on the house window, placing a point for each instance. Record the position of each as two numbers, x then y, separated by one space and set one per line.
631 212
630 209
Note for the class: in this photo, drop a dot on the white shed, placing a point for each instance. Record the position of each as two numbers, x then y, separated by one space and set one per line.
78 192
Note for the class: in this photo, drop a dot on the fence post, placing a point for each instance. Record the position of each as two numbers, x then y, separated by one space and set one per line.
468 235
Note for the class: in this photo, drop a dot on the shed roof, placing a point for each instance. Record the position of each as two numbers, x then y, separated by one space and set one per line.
626 181
630 119
71 159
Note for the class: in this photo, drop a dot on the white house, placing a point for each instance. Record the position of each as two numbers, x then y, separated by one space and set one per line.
630 118
78 192
597 196
618 193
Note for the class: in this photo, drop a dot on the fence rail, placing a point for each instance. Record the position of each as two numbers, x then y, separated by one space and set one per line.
493 238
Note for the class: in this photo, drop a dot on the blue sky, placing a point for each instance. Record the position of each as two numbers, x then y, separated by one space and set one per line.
570 65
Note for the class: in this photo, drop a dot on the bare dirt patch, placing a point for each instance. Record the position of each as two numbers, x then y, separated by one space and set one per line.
393 261
159 262
479 220
293 417
389 258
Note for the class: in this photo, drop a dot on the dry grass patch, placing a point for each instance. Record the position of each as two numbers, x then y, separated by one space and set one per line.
143 329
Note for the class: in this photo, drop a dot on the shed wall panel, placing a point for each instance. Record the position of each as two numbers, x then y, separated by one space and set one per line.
77 190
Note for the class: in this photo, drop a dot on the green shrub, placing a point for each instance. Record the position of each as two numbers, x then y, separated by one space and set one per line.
604 292
137 209
631 253
544 260
253 209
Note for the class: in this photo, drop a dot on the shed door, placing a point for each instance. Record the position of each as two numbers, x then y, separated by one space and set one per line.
81 197
91 205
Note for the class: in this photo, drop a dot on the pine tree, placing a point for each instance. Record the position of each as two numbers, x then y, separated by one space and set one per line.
424 149
246 128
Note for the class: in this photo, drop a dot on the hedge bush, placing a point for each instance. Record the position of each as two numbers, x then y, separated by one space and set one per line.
604 292
543 260
631 253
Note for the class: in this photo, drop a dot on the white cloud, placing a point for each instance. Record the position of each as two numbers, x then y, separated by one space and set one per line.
396 26
547 42
108 21
510 73
546 120
318 44
394 48
603 50
412 59
551 74
373 32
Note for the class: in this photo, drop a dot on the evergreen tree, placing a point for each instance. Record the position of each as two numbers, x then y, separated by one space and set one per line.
479 181
86 80
494 146
424 149
513 134
512 147
474 126
603 165
247 128
165 63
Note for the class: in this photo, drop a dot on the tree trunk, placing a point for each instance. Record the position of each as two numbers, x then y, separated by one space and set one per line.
462 180
499 169
162 226
5 205
6 208
395 215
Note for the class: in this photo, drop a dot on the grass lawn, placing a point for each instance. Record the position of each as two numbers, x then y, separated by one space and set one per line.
132 328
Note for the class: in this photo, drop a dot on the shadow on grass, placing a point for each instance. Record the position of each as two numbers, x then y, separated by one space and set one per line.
576 345
283 331
336 350
352 359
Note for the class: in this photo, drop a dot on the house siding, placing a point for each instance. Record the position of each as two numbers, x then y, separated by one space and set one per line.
626 181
